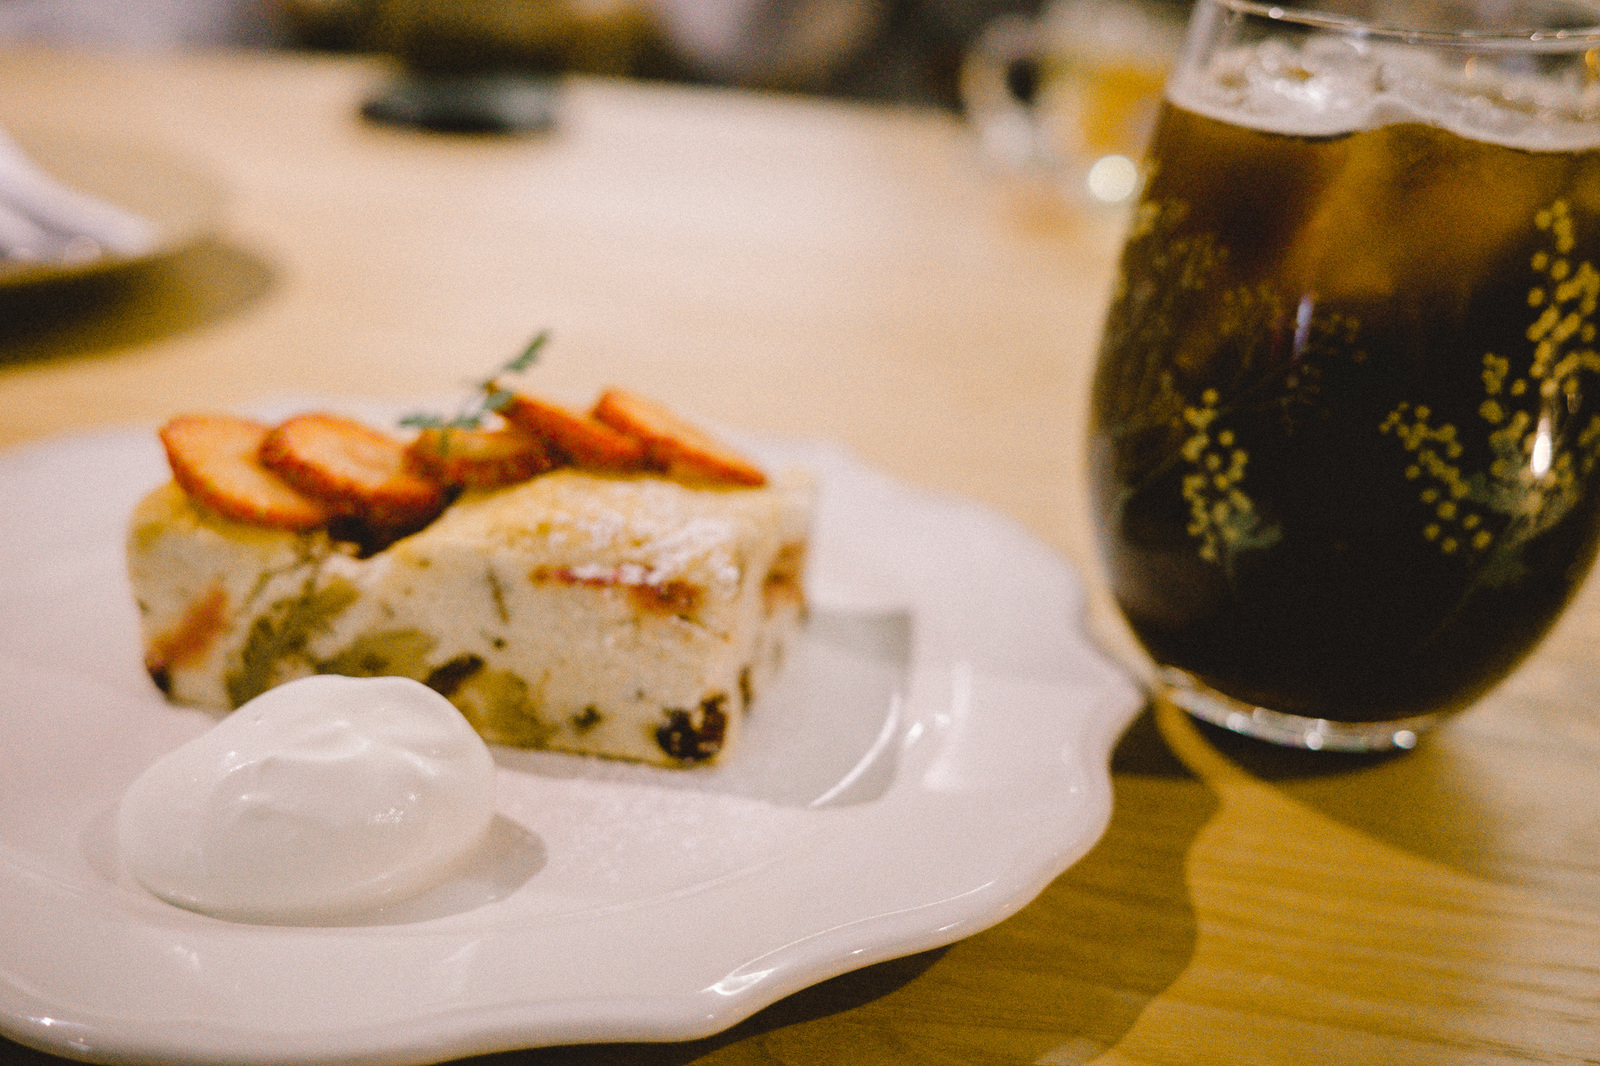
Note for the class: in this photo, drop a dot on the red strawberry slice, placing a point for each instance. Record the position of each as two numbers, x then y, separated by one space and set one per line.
215 458
683 450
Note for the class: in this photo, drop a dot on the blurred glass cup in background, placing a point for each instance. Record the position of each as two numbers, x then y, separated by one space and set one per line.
1065 102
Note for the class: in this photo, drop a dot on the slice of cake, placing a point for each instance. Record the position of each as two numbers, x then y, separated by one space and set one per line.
628 614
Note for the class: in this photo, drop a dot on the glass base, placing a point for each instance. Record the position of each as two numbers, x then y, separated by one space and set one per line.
1186 691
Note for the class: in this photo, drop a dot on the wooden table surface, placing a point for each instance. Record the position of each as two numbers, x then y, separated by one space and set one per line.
799 268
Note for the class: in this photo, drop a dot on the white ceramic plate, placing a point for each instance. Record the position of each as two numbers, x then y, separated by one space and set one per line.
936 753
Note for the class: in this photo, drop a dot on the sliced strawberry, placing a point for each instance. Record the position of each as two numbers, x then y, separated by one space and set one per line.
214 458
480 458
587 442
683 450
354 469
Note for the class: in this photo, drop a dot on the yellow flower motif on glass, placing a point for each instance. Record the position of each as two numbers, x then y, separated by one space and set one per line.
1533 477
1221 515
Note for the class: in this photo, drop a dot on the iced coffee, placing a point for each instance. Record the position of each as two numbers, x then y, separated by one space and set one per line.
1346 421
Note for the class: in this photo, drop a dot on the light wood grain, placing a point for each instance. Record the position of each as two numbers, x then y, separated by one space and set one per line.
788 267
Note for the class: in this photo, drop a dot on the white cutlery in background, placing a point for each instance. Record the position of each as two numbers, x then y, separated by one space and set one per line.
43 221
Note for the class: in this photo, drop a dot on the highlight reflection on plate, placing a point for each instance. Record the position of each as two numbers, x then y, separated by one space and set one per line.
935 753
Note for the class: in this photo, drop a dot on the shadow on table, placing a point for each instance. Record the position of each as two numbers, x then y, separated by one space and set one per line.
1454 800
1060 981
101 313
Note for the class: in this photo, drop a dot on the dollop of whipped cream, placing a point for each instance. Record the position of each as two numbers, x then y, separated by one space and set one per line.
322 797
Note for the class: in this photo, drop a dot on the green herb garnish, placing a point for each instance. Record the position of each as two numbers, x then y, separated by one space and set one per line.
487 396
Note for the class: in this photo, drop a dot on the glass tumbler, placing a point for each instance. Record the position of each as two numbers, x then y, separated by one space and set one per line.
1345 423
